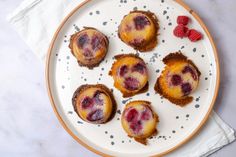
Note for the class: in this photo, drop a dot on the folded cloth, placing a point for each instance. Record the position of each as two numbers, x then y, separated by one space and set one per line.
36 22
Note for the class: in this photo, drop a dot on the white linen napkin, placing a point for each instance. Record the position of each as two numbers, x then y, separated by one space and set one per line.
36 22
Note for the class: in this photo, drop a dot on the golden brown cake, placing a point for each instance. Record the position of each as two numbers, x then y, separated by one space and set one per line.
139 29
130 74
139 120
178 80
89 46
94 103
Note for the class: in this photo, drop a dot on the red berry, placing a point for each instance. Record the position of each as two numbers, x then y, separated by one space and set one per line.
186 88
140 22
123 70
176 80
182 20
95 115
136 126
180 31
139 67
87 102
131 83
146 114
83 40
188 69
194 35
132 115
97 99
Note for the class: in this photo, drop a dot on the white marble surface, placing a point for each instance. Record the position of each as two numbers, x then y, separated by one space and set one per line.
28 126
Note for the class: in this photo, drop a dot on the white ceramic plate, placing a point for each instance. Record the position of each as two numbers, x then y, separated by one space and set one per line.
177 125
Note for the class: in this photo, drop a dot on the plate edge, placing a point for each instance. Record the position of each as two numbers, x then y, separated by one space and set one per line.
195 132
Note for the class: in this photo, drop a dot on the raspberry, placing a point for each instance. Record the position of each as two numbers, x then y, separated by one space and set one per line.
136 126
180 31
88 53
176 80
95 115
97 99
194 35
139 67
188 69
132 115
182 20
123 70
146 114
186 88
87 102
141 22
96 42
131 83
83 40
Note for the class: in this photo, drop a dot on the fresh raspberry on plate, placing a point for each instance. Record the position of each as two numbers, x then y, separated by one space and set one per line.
180 31
182 20
194 35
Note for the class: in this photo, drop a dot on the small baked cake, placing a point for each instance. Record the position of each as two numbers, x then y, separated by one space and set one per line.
130 74
94 103
139 29
89 46
139 120
178 80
